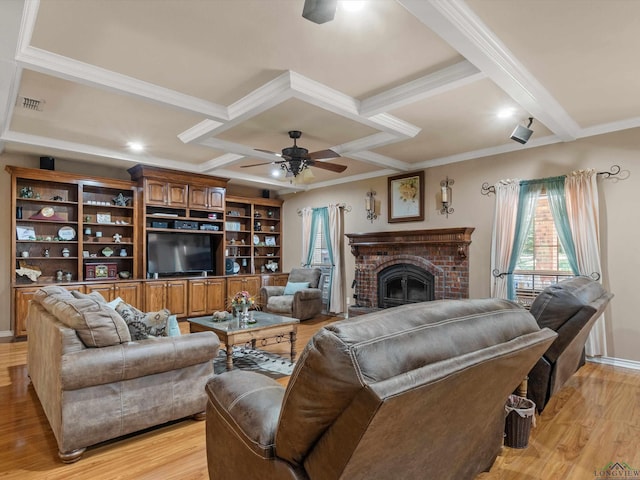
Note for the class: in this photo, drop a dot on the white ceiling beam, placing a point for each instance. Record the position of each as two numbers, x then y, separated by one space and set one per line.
220 162
378 160
85 74
464 31
352 178
436 83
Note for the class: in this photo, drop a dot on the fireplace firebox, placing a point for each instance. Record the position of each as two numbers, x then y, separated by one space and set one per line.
404 283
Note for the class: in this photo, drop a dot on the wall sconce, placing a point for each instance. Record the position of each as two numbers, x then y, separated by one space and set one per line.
445 196
370 205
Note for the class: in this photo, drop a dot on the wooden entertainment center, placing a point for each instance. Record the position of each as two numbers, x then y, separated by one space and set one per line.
90 234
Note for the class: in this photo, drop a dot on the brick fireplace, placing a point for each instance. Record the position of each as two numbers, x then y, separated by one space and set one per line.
443 253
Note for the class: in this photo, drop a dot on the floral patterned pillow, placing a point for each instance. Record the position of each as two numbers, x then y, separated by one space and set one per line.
143 325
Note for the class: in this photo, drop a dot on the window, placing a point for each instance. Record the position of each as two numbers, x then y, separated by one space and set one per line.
542 261
320 252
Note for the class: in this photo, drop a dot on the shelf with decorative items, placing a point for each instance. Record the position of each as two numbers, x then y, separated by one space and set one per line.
60 219
252 233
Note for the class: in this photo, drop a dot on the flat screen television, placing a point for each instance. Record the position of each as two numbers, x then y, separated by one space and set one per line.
175 253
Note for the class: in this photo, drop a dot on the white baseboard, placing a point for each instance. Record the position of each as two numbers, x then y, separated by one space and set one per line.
615 362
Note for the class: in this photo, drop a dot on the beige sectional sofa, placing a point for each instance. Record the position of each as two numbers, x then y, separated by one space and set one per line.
95 384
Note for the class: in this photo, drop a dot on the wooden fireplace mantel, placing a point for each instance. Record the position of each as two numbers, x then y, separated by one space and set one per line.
460 237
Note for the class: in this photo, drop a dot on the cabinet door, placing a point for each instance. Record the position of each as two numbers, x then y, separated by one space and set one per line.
104 289
216 295
250 283
129 292
177 194
197 297
155 192
198 196
216 197
22 298
176 300
154 296
276 280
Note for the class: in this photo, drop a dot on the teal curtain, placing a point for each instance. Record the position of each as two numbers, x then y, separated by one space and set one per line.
315 219
527 199
319 219
558 206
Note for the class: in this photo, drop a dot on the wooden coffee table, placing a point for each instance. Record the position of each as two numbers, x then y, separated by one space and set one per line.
268 329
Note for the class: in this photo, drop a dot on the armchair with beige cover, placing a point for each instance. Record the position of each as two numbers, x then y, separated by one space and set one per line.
412 392
96 384
301 298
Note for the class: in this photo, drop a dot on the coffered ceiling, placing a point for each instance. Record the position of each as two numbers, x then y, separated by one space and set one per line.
398 86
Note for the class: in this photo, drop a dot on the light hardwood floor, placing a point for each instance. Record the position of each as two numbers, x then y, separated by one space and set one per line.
593 421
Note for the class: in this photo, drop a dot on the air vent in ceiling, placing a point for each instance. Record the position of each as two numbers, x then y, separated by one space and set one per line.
30 103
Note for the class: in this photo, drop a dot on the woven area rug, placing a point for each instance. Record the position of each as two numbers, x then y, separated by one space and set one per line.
260 361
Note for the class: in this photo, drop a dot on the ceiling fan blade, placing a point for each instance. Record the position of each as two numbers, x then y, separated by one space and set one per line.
258 164
267 151
320 154
332 167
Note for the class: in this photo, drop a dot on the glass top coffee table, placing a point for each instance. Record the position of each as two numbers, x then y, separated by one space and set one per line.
268 328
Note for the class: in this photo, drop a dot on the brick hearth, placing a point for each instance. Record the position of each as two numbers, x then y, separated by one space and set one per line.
442 252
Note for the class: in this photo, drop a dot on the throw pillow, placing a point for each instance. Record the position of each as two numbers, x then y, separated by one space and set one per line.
173 328
293 287
95 324
143 325
92 296
114 303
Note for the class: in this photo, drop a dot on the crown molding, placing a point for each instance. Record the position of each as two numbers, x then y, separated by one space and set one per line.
610 127
84 149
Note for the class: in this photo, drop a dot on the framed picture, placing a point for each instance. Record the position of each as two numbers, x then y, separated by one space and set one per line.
406 197
25 233
103 217
270 241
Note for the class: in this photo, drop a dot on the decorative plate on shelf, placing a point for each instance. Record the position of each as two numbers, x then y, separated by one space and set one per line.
228 266
236 267
67 233
256 240
107 251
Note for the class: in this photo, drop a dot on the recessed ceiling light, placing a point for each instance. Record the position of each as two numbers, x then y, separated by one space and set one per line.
136 146
352 5
506 112
276 172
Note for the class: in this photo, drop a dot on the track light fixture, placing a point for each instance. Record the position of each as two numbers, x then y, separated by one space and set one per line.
522 134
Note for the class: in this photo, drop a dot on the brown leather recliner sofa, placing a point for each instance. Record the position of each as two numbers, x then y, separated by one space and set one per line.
412 392
570 308
304 300
95 384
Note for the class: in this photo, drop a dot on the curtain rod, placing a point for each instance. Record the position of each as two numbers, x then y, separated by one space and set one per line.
343 206
487 189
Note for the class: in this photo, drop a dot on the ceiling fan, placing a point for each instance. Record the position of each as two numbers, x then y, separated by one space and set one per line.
295 159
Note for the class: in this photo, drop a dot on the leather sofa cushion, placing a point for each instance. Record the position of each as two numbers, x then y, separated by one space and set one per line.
557 303
95 323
